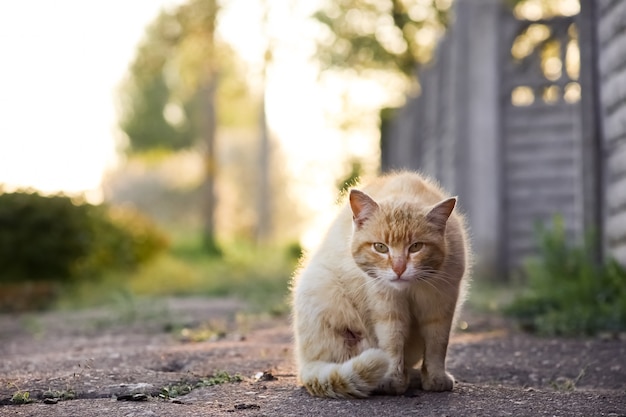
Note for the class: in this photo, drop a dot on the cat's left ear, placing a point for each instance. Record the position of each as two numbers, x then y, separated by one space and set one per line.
439 214
362 207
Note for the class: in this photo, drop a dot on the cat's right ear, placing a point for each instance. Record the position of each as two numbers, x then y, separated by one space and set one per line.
363 207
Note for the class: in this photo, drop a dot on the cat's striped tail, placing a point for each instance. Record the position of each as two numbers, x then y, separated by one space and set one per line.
355 378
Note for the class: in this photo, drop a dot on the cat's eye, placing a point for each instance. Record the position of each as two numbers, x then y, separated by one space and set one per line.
416 247
380 247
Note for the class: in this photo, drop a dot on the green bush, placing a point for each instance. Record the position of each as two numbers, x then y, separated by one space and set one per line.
52 238
568 292
122 238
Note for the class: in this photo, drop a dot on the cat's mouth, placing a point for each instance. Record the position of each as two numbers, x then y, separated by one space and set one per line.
400 282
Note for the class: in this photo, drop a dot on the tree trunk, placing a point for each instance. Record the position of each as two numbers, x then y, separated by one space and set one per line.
264 199
209 128
264 211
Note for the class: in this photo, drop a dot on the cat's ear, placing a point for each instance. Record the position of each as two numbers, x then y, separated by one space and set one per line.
439 214
362 207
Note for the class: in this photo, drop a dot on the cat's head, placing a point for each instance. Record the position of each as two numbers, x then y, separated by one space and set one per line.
399 243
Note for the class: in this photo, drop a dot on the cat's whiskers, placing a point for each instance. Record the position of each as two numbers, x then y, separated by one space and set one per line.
369 283
438 275
433 278
436 280
432 285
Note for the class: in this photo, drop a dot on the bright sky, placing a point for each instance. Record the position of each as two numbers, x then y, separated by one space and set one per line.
60 65
62 61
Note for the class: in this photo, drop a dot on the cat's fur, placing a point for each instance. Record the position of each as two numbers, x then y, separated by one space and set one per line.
359 329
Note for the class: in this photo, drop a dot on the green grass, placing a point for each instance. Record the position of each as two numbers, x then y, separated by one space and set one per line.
489 296
59 395
184 388
258 275
21 397
568 293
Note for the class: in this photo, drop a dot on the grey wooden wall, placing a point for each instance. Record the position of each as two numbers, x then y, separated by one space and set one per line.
451 131
516 164
611 31
541 142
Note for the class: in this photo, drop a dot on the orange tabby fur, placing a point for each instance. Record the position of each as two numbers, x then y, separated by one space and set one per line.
380 294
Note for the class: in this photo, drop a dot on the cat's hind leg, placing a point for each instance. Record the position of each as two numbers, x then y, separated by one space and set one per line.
335 357
355 378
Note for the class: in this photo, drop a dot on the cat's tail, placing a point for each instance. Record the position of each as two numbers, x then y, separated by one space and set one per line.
355 378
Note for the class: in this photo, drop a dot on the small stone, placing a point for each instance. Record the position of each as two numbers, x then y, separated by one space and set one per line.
132 397
50 400
244 406
264 376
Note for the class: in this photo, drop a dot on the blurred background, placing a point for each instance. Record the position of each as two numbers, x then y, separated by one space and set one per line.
198 147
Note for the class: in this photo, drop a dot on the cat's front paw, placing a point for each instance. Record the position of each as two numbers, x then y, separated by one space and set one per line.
437 382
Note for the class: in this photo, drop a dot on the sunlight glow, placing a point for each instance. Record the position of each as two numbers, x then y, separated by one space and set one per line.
572 93
58 80
527 41
61 72
522 96
542 9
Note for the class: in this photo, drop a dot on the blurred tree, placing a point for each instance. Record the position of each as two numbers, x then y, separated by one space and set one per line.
352 178
264 212
389 35
398 35
182 83
383 42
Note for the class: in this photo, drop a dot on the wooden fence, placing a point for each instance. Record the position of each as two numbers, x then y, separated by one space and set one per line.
509 119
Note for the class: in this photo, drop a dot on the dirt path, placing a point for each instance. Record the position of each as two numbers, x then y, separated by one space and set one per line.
101 356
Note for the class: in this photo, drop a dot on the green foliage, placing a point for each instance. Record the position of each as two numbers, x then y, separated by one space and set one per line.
53 238
390 35
350 180
64 395
40 237
220 377
259 275
178 70
184 388
294 251
152 116
122 238
146 125
568 292
175 390
21 397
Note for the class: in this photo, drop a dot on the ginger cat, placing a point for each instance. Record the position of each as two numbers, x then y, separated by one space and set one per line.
380 294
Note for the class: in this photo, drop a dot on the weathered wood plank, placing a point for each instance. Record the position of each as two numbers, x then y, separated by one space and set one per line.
614 90
616 228
616 162
611 22
616 195
553 155
613 58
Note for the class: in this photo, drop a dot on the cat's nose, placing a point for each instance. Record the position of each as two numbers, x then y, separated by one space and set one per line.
398 266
